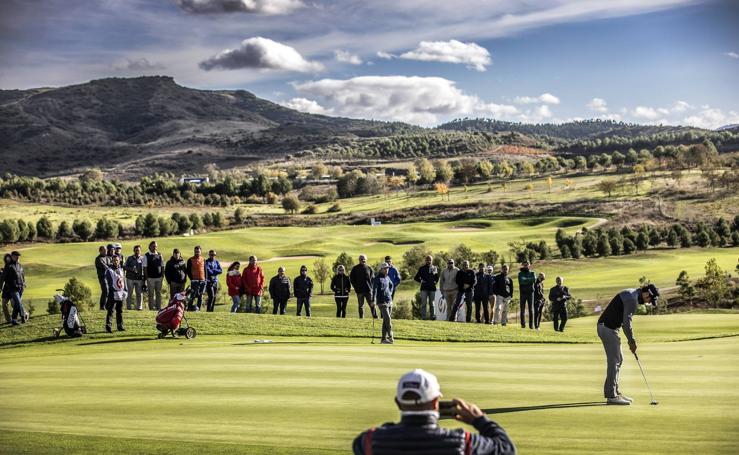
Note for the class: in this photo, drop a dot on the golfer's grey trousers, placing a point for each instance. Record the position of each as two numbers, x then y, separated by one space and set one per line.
612 345
386 312
500 310
134 286
154 288
427 297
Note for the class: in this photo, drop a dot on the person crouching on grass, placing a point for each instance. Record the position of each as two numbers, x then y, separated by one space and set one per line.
418 432
617 314
382 289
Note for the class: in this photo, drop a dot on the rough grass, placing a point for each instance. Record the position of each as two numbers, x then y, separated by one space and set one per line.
312 396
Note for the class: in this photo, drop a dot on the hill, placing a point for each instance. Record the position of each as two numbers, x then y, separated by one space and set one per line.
146 124
570 131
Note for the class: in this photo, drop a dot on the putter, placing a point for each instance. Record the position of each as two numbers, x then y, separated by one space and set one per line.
653 402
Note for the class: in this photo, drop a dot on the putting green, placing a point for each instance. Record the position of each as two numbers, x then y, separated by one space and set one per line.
303 395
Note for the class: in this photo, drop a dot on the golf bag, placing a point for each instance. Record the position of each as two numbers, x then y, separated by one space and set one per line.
71 321
170 318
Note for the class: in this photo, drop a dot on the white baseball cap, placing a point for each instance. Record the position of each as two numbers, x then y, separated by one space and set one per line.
422 383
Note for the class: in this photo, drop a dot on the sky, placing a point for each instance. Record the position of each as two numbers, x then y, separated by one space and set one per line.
418 61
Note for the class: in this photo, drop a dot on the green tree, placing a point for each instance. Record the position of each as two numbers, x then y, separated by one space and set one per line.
9 232
64 230
83 229
714 287
343 259
79 293
150 226
44 228
238 215
321 272
607 187
426 171
685 287
290 204
444 171
604 246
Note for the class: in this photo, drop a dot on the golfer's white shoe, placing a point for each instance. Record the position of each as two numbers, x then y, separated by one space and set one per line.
629 399
618 401
386 342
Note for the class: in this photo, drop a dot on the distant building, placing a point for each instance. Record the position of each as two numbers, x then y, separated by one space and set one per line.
194 180
375 223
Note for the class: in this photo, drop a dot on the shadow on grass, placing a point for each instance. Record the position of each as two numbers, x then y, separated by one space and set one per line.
118 340
541 407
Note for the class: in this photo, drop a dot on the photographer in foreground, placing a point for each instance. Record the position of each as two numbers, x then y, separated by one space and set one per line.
418 432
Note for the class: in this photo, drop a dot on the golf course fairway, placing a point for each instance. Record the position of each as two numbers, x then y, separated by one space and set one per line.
313 395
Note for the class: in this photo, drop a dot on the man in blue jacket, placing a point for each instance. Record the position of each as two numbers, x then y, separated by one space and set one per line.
619 313
382 289
393 274
418 432
212 270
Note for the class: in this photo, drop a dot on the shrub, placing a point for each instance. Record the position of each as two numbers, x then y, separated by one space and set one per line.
79 293
334 208
310 210
403 310
52 307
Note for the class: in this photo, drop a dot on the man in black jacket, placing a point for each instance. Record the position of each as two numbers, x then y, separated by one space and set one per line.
175 271
341 285
466 281
558 296
417 397
428 276
481 292
503 290
102 262
279 291
303 289
14 283
361 277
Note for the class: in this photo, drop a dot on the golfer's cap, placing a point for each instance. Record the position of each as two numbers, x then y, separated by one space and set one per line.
384 265
117 245
490 268
15 253
110 246
652 290
421 382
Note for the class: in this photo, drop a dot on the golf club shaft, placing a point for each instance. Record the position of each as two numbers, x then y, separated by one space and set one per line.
645 377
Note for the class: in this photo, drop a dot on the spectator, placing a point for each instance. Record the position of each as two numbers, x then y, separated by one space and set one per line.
417 397
135 278
619 313
5 295
233 282
196 272
212 270
526 280
154 274
253 281
503 290
559 295
303 289
118 251
14 282
361 278
490 303
481 293
176 273
280 291
116 283
448 285
465 288
102 262
382 289
341 285
393 274
539 299
428 276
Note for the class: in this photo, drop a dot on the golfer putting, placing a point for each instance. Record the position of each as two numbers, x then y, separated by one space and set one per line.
619 313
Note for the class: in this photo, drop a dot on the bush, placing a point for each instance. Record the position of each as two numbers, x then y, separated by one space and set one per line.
310 210
403 310
334 208
52 307
79 293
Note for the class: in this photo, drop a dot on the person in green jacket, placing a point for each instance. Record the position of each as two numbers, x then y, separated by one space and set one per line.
526 281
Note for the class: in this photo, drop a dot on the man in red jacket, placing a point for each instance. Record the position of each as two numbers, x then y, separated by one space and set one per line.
253 282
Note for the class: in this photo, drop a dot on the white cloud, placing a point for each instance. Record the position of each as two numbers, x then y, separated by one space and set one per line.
598 105
472 55
681 106
139 64
711 118
270 7
413 99
385 55
261 53
546 98
306 105
732 54
645 112
347 57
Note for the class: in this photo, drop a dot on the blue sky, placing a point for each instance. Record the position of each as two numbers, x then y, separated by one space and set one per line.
420 61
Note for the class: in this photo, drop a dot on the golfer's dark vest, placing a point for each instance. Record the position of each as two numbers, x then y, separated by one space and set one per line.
613 316
154 265
417 435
